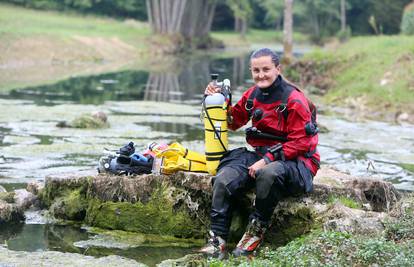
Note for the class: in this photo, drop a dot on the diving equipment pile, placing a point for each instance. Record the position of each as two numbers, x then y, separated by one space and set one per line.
157 158
126 161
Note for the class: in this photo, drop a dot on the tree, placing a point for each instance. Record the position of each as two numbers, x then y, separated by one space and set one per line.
321 17
242 11
343 15
288 32
274 12
189 19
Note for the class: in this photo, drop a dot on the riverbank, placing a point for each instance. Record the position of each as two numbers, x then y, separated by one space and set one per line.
343 215
64 45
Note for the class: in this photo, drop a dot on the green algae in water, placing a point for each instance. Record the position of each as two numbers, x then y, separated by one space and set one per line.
407 166
124 239
357 154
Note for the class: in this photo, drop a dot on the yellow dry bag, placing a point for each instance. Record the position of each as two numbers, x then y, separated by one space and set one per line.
178 158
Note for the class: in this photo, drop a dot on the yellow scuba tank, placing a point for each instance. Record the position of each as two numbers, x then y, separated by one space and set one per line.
215 125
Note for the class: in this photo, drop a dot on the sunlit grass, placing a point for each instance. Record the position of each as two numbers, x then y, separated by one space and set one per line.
17 21
379 68
231 38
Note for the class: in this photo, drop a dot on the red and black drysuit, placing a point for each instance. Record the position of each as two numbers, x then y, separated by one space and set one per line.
280 110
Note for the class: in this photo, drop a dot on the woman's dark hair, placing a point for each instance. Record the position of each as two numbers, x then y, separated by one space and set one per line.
263 52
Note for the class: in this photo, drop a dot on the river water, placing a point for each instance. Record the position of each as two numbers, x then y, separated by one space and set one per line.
160 106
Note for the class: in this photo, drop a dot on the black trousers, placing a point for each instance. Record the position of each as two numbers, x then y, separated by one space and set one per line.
274 182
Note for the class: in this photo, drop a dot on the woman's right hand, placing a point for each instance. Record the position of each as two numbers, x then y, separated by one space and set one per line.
212 89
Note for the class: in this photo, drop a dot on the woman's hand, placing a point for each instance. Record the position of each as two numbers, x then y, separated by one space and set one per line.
255 167
212 89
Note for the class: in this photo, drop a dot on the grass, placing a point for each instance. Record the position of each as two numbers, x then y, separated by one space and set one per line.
378 68
64 25
254 36
331 249
347 202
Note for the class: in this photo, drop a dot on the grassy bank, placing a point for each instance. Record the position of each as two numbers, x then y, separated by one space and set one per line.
374 74
46 46
20 22
255 36
392 247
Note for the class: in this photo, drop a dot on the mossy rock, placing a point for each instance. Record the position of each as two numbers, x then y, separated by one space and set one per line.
291 219
71 206
96 120
347 202
157 216
89 122
7 196
10 213
58 187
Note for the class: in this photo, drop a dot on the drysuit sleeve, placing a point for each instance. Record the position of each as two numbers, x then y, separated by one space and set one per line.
298 141
238 113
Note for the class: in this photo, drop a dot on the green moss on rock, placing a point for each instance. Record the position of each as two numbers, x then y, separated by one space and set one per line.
291 221
157 216
346 201
134 239
89 122
7 196
71 206
56 188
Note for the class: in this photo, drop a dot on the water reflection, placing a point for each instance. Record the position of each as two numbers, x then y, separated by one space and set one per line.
45 237
95 89
189 132
183 79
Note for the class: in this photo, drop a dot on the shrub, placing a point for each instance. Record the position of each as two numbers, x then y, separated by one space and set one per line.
344 35
401 227
407 22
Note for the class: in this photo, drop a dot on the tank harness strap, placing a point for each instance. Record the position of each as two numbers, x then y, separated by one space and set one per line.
282 108
250 102
310 153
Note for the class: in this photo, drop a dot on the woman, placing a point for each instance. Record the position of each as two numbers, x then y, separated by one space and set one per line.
284 137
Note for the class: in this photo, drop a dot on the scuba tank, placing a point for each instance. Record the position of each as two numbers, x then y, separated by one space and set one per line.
215 124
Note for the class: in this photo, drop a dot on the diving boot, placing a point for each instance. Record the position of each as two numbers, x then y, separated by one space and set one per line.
215 247
251 239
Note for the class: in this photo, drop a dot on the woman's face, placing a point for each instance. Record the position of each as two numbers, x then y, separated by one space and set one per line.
264 71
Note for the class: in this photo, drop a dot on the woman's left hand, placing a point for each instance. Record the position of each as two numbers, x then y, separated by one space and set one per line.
255 167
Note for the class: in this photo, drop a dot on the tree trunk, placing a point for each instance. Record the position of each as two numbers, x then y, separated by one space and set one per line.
189 19
243 29
236 25
288 32
343 15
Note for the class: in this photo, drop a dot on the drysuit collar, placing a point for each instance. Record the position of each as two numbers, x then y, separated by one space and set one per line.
273 87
